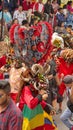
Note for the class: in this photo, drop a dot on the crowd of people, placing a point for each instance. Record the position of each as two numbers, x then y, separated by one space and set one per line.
36 67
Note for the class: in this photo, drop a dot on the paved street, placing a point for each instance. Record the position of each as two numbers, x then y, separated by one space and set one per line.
60 125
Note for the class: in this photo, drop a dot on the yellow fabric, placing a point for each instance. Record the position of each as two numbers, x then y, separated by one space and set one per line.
33 123
25 125
49 117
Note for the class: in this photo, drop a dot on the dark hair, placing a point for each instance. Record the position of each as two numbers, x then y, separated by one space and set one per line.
69 26
60 9
5 86
24 22
18 64
14 20
48 1
69 2
5 7
65 6
68 79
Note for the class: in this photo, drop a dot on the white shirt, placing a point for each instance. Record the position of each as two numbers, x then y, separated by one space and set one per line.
20 16
40 8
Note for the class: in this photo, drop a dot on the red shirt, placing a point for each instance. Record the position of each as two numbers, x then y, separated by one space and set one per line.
26 5
28 98
66 69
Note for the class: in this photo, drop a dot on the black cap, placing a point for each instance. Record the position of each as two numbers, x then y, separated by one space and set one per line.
68 79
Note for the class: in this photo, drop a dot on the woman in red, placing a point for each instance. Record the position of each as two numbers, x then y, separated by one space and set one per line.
65 67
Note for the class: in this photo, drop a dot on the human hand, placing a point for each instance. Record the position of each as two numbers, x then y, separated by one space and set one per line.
42 91
44 94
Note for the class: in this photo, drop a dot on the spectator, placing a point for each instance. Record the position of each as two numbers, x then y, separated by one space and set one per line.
60 16
11 5
69 3
55 5
0 5
26 5
65 11
60 29
48 9
19 14
7 17
59 2
69 29
69 19
68 81
38 8
5 29
10 115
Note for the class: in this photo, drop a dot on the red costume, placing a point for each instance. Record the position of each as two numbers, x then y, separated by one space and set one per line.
66 69
2 61
33 106
12 33
1 76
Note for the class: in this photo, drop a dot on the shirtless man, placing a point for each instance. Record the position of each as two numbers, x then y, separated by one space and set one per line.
16 82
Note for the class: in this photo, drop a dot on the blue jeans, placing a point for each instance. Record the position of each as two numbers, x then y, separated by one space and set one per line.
65 118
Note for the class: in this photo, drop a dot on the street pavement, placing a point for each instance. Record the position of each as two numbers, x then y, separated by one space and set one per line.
59 123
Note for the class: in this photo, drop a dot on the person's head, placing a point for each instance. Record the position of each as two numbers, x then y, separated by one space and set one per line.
35 20
69 28
18 64
4 92
5 9
60 10
15 21
65 6
62 24
69 2
54 1
40 1
48 1
20 8
25 23
68 81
